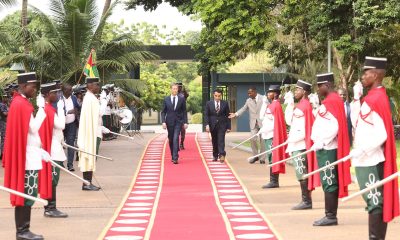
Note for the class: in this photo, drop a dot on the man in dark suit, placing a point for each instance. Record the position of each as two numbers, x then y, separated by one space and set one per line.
343 94
173 116
218 123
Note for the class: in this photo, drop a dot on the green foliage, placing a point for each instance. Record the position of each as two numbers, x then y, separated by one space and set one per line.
155 91
153 4
197 118
58 48
350 24
194 89
232 29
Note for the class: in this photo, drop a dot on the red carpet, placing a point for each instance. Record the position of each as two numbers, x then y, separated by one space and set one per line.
195 199
187 207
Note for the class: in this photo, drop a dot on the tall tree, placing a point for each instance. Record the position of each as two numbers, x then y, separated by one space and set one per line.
69 32
107 4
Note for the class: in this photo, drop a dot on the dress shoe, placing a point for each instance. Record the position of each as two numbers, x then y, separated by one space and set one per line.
55 213
253 160
262 161
222 159
325 221
215 159
302 206
271 185
71 169
28 235
175 161
90 187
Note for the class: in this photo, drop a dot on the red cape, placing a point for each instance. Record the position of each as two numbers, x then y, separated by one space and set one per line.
280 136
378 101
14 153
305 106
46 135
334 105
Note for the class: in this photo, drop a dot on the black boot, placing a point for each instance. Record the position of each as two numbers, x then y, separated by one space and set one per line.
274 180
88 176
331 206
51 209
253 160
377 227
22 223
306 202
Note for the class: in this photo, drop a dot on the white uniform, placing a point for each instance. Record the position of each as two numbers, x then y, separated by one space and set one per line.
267 131
325 129
34 144
294 117
370 135
57 151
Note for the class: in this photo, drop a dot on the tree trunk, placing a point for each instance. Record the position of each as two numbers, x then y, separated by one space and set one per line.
24 23
345 75
107 4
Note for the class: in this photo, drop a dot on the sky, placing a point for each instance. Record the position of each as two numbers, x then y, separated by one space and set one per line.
163 15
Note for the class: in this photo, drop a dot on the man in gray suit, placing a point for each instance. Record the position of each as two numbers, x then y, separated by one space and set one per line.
253 105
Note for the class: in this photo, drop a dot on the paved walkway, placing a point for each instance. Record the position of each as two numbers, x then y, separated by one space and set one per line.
91 211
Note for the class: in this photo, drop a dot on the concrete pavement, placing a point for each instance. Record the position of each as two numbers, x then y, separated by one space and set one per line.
90 211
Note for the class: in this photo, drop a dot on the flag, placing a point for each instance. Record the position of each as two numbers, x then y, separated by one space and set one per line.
90 69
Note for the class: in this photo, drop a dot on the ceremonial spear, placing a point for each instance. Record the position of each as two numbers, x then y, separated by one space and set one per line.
292 157
344 159
373 186
270 150
80 150
23 195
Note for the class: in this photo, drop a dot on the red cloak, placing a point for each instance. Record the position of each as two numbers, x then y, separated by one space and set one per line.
14 155
280 136
305 106
46 135
334 104
378 101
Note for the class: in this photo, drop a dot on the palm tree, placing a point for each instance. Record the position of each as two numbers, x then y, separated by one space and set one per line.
70 31
4 3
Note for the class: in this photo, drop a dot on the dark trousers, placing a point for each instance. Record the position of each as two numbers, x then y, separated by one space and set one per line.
107 124
173 137
218 141
183 134
3 135
70 132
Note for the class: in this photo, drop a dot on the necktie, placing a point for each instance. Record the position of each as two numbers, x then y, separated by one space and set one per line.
217 108
173 102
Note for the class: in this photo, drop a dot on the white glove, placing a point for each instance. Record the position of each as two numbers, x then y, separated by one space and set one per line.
40 101
45 155
356 153
357 90
60 105
317 146
314 100
289 98
105 130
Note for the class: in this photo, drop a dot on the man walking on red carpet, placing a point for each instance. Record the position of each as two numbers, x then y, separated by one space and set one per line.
173 116
218 123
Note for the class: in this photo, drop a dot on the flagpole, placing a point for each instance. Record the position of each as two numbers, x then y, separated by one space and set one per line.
84 66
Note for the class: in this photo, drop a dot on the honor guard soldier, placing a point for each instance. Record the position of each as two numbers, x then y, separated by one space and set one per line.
23 154
300 118
274 134
51 134
374 153
331 142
